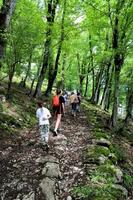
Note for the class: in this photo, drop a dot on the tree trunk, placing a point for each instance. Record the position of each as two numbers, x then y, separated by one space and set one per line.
6 12
50 20
107 100
107 81
86 85
116 94
53 76
33 81
63 72
129 108
28 71
93 86
97 86
81 79
31 87
118 62
11 74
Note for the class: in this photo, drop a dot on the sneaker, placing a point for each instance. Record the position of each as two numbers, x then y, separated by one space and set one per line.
47 147
43 147
54 133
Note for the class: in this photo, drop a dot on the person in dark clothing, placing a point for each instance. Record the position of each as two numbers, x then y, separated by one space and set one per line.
79 101
58 111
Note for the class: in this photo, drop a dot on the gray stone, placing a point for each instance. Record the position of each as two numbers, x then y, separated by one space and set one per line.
122 189
119 175
31 142
48 188
61 140
102 159
46 159
22 185
60 148
30 196
103 142
52 170
113 158
13 183
69 198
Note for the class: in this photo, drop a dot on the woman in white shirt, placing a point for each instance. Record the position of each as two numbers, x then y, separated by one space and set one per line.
43 115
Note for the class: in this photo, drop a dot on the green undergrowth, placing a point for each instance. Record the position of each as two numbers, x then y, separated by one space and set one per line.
103 181
98 192
16 114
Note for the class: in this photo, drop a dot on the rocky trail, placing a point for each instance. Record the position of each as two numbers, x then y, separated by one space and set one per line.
29 173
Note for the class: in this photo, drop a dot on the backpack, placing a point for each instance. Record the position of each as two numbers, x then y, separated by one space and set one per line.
55 100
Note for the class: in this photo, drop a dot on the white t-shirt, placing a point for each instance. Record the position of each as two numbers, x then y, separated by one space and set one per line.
43 115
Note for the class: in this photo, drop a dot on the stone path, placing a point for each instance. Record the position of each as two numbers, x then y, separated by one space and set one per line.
29 173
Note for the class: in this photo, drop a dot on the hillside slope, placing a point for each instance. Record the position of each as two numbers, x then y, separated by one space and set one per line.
85 161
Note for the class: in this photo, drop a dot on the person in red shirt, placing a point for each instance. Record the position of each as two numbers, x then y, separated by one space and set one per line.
58 111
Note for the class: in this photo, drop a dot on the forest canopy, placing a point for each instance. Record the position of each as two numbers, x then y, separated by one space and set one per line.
83 45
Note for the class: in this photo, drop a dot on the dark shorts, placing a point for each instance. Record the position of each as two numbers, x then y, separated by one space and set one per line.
74 106
57 110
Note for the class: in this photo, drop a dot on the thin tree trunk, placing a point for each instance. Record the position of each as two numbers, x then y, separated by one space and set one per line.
107 78
129 108
86 85
33 81
93 86
31 87
63 71
81 84
115 104
97 87
28 71
11 74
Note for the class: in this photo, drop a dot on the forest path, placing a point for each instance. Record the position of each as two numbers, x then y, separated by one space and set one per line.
28 172
76 132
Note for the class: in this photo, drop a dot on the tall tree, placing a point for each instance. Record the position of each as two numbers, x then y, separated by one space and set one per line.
51 11
54 69
120 27
6 13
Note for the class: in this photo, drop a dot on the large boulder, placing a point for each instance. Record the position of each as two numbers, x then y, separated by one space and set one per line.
48 188
96 154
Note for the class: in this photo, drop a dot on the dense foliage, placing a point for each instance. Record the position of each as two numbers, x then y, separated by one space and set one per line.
85 45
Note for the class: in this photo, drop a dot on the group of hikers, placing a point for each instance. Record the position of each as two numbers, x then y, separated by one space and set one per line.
59 101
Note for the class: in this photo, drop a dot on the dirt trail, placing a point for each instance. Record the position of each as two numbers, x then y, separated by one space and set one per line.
22 162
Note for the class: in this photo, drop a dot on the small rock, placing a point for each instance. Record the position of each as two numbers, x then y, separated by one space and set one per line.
103 142
30 196
60 148
52 170
46 159
31 142
20 186
69 198
102 159
119 175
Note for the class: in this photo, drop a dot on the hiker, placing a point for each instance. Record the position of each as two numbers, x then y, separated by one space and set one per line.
65 97
73 101
58 109
43 115
79 101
